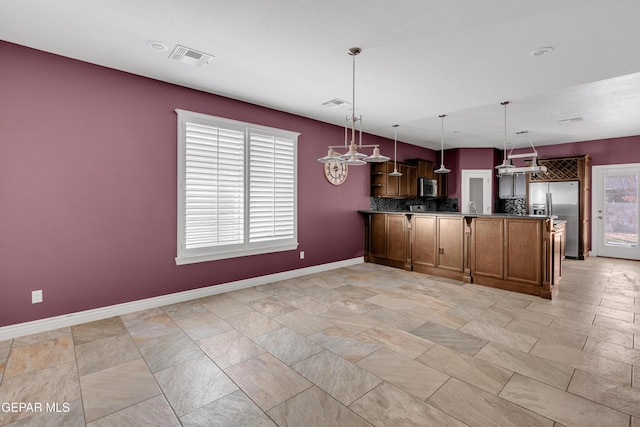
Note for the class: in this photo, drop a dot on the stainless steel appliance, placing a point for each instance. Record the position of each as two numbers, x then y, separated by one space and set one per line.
427 187
562 200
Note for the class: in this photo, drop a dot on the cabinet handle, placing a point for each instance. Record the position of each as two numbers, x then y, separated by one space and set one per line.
441 251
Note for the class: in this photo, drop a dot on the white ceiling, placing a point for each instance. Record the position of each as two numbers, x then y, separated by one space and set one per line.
420 59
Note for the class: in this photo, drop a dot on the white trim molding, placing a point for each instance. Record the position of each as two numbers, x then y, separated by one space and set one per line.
51 323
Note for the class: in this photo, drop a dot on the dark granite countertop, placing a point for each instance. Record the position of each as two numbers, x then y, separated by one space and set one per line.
495 215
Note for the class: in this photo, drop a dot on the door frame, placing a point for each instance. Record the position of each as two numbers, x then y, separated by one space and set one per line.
597 200
487 188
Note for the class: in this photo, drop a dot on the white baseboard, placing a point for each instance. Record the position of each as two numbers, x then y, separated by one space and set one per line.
50 323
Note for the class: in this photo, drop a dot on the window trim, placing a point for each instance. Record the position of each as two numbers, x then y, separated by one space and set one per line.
209 254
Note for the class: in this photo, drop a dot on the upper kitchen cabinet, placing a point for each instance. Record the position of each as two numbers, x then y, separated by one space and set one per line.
425 168
443 184
384 185
513 186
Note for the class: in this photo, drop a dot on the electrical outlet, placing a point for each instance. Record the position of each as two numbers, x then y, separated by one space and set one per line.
301 254
36 297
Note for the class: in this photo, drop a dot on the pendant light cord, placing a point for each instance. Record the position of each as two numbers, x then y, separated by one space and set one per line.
442 141
505 103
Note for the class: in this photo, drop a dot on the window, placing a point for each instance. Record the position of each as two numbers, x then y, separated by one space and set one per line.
236 188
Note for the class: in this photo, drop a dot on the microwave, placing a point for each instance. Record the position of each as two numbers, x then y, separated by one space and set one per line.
427 187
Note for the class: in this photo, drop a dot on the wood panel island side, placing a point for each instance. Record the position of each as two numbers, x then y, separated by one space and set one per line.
517 253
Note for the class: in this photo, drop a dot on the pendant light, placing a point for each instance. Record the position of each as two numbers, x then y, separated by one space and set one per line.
506 163
353 125
442 169
395 152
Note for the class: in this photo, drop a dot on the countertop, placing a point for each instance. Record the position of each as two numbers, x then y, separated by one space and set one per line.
495 215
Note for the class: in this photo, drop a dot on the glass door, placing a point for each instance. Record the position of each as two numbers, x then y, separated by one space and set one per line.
616 214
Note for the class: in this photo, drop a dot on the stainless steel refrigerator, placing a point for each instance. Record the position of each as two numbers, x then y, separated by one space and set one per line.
560 199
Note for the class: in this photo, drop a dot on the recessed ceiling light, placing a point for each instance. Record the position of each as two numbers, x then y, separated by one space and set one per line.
541 51
156 45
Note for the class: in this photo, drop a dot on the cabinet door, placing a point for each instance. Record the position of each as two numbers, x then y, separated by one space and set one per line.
505 186
393 182
442 184
378 236
397 238
520 186
425 169
423 243
487 251
412 177
403 180
450 243
523 242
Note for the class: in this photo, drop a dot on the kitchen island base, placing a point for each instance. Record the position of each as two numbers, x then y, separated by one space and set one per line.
517 253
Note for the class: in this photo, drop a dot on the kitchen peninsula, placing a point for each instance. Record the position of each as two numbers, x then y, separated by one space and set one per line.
521 253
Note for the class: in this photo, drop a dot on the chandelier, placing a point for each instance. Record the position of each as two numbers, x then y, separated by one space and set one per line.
353 126
507 168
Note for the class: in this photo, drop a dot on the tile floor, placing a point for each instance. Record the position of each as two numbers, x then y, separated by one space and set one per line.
358 346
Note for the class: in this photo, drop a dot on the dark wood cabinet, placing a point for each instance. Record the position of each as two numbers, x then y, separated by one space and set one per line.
521 254
523 251
437 245
384 185
443 184
424 241
487 247
450 243
425 168
387 240
517 254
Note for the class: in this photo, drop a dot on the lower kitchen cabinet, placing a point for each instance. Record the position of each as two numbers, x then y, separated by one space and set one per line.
516 254
521 254
424 242
387 240
487 246
437 245
451 243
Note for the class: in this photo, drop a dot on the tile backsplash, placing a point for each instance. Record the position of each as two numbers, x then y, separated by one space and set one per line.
512 206
432 205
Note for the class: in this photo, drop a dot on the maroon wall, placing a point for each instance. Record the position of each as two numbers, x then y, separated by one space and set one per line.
459 159
88 188
603 151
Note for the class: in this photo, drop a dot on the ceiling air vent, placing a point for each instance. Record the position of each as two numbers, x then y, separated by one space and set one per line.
334 103
571 120
190 56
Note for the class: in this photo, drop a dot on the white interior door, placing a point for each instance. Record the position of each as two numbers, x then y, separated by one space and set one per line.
615 210
477 188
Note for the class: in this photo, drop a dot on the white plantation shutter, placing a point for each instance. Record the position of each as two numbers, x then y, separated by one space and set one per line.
271 195
236 189
214 187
